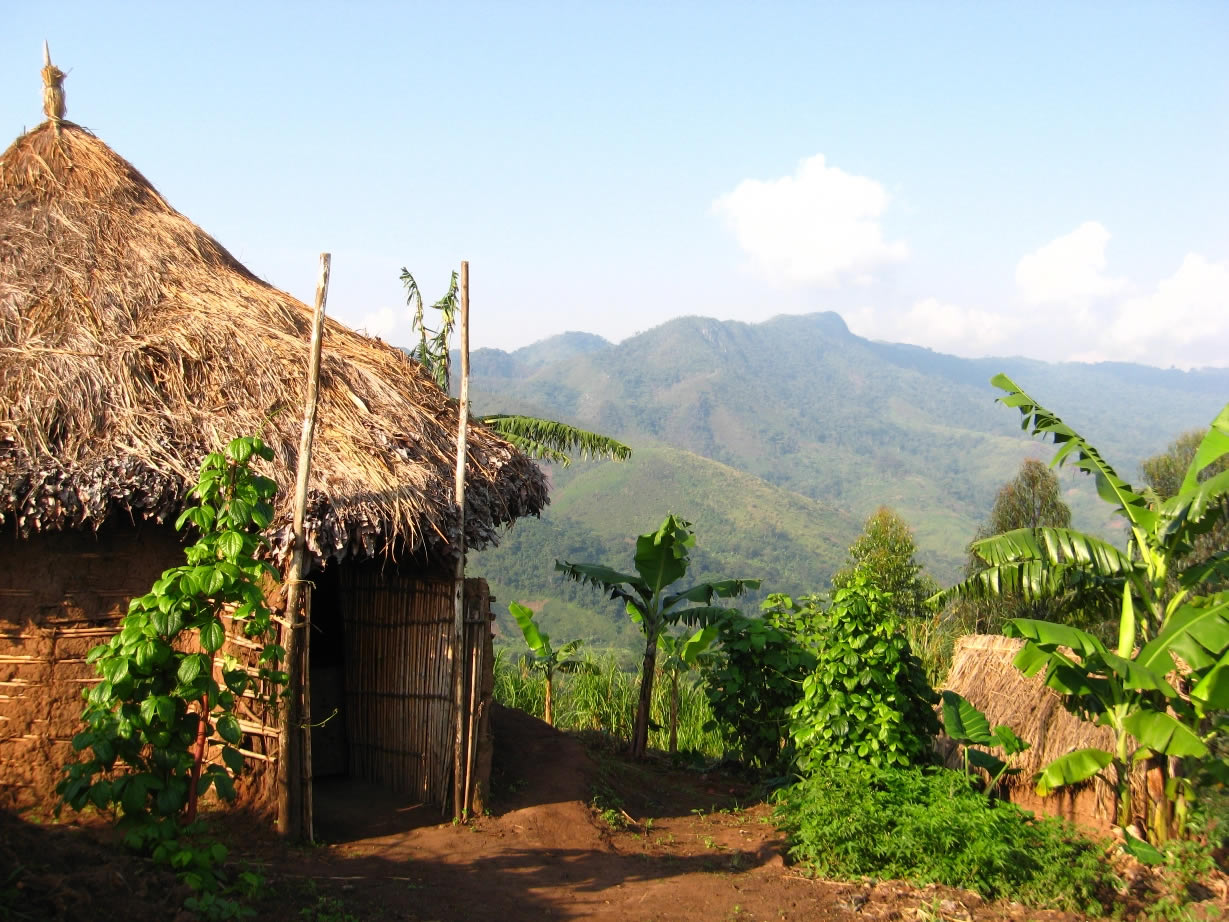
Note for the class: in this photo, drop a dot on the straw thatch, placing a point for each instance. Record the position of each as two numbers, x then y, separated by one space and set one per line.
983 673
132 343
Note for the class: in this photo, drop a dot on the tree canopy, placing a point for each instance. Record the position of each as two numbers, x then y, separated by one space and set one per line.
885 553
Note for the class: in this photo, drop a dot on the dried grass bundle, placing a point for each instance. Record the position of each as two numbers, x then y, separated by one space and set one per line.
131 343
983 673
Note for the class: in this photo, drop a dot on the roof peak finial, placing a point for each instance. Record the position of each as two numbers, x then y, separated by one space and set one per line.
53 88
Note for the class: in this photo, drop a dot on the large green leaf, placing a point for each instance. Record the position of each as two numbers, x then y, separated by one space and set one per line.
1136 676
963 722
1070 443
1047 633
989 763
662 555
1072 768
1055 546
548 440
1164 733
1214 446
1214 569
1198 632
1212 691
1035 580
705 592
1193 511
537 641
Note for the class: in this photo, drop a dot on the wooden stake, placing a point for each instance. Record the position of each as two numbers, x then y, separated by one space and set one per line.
458 623
294 801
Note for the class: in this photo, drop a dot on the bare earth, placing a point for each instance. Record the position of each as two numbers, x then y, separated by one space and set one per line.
680 848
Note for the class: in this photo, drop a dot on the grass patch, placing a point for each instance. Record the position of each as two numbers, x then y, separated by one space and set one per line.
929 825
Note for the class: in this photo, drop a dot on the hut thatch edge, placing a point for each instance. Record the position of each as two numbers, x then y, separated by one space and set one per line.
982 671
132 343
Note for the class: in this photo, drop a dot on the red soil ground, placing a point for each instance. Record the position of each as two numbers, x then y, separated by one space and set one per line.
680 848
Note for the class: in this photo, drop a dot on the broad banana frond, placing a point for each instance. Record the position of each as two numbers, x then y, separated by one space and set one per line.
1054 546
547 440
1112 488
1036 580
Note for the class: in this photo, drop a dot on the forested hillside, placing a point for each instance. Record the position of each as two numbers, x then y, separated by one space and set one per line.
778 439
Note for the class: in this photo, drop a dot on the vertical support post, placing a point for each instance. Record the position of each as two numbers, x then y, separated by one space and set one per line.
294 801
459 797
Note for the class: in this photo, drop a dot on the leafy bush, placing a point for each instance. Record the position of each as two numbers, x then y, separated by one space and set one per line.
867 698
159 708
756 677
930 825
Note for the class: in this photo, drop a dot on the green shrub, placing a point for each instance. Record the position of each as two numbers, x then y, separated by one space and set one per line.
755 678
867 699
930 825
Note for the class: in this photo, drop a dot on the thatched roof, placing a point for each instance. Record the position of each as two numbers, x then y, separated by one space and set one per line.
983 673
132 343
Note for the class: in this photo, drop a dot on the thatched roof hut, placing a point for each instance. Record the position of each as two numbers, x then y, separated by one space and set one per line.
132 343
982 671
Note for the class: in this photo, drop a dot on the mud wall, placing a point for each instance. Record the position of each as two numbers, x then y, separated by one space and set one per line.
60 595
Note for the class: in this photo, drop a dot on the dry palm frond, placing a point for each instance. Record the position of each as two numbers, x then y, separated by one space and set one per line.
131 343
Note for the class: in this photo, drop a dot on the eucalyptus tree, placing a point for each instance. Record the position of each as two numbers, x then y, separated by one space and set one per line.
540 439
1164 613
661 560
886 552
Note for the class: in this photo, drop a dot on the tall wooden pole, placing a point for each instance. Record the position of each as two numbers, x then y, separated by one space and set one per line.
294 800
458 626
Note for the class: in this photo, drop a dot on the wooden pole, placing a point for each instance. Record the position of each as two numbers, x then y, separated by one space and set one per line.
294 797
458 622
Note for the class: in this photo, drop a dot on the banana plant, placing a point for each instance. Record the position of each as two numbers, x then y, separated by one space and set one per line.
964 723
544 658
662 558
1166 611
682 655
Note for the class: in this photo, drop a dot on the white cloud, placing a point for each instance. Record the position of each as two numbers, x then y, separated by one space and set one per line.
950 328
1069 269
1184 322
388 324
819 225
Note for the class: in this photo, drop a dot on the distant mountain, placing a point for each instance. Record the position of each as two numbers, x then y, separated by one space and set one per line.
814 414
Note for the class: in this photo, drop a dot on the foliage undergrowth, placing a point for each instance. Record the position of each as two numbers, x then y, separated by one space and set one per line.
867 698
930 825
603 698
159 709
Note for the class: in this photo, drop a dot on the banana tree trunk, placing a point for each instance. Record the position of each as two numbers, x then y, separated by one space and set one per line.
640 733
550 711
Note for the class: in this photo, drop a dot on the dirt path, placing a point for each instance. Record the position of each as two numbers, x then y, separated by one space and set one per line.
669 845
571 836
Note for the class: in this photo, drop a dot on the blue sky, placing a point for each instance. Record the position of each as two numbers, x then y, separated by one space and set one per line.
982 178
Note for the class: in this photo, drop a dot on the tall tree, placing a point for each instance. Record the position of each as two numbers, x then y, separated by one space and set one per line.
540 439
1032 499
885 552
